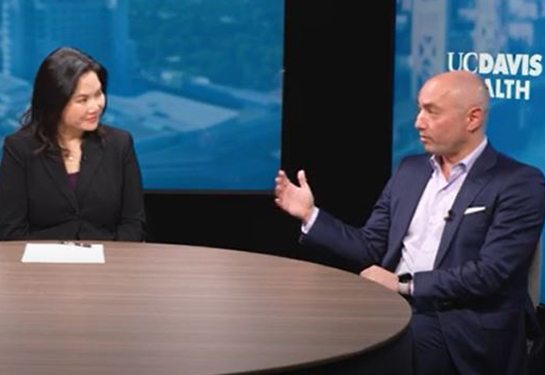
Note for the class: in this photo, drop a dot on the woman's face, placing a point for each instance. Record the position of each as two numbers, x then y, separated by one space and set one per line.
83 110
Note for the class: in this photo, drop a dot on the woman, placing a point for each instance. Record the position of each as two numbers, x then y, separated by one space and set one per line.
64 175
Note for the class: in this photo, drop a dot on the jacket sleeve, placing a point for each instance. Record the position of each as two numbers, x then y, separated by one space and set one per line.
364 246
131 225
14 224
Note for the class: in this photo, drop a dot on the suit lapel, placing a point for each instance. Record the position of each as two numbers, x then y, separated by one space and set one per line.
56 170
413 190
92 153
479 175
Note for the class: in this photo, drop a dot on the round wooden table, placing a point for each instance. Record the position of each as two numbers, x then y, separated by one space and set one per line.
172 309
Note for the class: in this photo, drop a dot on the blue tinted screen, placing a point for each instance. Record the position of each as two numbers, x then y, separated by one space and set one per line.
198 83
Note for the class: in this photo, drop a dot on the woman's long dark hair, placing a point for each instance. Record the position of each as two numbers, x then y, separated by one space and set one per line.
54 85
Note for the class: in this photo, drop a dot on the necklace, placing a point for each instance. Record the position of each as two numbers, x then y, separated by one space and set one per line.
69 157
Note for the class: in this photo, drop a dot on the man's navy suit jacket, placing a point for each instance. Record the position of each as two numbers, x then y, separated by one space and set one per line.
480 274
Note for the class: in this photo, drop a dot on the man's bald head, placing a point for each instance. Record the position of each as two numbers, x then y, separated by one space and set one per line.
466 89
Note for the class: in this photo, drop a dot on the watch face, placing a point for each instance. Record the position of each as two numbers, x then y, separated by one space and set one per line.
405 277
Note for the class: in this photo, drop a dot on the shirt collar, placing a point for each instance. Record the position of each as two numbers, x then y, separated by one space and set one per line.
467 162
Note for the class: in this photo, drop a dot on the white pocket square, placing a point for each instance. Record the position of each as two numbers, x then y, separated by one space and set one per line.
472 210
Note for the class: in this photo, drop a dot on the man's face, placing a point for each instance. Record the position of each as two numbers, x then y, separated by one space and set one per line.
441 121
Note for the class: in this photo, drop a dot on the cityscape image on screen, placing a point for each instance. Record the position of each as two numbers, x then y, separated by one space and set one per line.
198 83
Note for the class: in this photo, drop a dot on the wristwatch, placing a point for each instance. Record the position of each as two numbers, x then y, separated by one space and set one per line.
405 284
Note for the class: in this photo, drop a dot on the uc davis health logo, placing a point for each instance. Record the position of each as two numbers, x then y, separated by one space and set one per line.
510 72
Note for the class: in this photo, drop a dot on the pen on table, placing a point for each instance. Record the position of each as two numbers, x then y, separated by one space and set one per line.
71 243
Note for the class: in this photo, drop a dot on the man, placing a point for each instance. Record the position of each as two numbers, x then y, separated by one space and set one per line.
454 231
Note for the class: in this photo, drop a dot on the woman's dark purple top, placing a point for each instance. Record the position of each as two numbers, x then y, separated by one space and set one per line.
73 180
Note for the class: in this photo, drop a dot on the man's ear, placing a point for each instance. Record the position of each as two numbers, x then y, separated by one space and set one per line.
475 119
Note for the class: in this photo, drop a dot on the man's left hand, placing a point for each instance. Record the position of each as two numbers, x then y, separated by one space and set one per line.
381 276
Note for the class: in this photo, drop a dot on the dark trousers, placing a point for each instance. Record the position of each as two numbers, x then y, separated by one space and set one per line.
430 353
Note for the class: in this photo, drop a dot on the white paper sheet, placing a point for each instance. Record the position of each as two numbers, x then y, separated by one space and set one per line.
69 252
